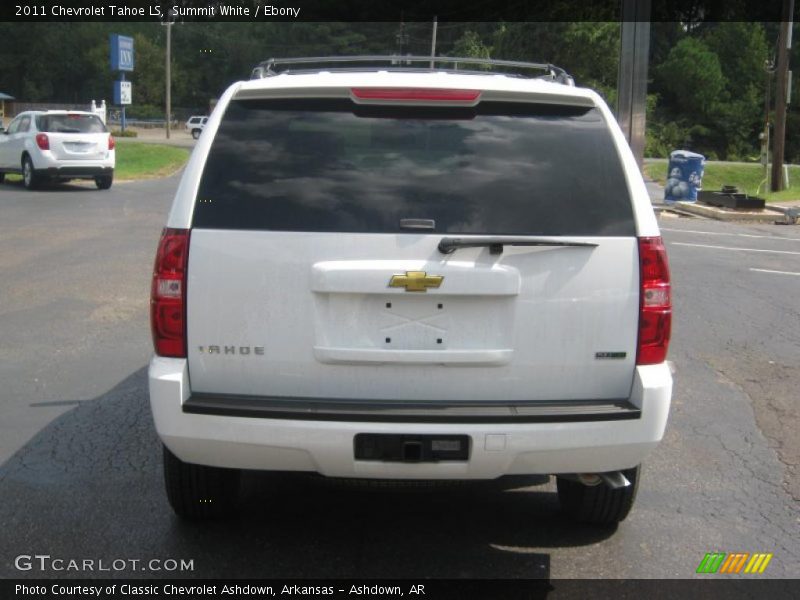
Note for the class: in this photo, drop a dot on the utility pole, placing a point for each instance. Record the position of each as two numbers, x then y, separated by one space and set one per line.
781 95
402 40
168 69
433 41
769 70
632 75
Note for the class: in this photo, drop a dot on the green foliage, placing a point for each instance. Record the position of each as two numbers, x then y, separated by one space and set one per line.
128 133
663 138
691 78
742 49
145 111
591 54
706 91
710 85
149 76
470 45
589 51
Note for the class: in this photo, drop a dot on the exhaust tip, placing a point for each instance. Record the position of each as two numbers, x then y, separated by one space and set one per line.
613 479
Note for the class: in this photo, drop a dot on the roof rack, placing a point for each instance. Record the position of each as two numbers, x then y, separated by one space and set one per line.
397 62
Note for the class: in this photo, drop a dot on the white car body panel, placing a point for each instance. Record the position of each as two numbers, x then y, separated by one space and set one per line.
527 324
77 146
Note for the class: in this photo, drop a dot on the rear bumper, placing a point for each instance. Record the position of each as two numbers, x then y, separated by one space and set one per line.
47 165
75 172
596 437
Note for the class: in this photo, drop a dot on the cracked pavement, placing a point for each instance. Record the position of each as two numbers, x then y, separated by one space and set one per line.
80 464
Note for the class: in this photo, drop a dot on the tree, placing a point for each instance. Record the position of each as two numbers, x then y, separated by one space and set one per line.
691 78
470 45
149 77
589 51
741 49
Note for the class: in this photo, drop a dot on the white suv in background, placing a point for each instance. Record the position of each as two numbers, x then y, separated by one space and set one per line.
57 145
195 125
410 274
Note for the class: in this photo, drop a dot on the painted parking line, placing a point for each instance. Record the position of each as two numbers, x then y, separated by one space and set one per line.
776 272
745 235
734 249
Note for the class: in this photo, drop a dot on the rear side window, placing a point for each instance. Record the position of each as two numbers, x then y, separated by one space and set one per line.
331 165
70 123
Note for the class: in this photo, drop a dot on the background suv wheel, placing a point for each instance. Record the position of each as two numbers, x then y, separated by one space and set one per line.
103 182
30 179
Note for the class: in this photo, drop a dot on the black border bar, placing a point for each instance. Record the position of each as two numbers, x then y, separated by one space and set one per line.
374 11
709 588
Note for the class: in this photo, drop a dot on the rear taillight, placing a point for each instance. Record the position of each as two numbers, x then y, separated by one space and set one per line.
42 141
417 95
655 302
111 142
168 294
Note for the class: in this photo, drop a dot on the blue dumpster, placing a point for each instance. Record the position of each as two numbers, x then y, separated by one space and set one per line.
684 176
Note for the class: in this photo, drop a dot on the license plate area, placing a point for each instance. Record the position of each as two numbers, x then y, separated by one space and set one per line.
79 147
411 448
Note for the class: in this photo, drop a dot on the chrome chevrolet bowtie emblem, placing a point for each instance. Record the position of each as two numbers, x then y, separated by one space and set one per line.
416 281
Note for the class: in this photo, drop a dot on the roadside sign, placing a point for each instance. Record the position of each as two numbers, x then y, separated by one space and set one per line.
123 92
121 53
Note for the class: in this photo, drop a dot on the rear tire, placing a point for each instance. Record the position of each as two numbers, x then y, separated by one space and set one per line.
198 492
30 179
103 182
598 505
195 133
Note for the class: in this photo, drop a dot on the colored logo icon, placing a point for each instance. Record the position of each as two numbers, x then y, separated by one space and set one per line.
736 562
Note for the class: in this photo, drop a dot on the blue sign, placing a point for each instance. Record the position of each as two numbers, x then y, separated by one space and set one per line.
121 53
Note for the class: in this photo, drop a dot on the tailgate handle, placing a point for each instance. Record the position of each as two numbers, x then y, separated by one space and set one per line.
417 224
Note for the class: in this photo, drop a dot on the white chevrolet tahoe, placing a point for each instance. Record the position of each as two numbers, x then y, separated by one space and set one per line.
410 274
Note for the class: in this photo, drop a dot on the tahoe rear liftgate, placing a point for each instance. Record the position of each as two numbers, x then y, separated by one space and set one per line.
315 271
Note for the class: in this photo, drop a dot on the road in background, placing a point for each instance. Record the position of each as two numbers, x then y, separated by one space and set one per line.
81 472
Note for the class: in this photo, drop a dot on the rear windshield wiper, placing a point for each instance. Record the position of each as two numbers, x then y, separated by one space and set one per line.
449 245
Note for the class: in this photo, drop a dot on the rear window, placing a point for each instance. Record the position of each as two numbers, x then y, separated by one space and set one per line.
331 165
70 123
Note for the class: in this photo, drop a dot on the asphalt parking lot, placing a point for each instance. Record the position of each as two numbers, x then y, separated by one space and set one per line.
80 472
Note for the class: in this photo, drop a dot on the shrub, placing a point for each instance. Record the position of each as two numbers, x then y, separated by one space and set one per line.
127 133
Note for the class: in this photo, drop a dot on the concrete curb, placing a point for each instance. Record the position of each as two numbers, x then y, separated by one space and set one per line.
783 209
768 215
674 210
